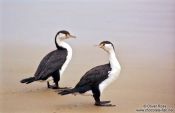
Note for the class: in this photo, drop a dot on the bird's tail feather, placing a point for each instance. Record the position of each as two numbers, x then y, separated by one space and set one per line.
28 80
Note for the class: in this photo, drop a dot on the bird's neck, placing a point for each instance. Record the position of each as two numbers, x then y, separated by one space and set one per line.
60 43
113 60
63 45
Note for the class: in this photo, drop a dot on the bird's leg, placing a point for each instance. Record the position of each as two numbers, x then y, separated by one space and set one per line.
55 86
102 103
48 85
56 79
96 95
55 76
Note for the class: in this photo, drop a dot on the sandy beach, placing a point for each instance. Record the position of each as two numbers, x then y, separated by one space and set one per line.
141 82
142 31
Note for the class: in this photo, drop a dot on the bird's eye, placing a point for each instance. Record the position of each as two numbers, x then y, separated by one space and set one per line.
67 35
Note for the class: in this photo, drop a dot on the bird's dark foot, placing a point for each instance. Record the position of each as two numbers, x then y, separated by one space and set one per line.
104 104
52 86
63 88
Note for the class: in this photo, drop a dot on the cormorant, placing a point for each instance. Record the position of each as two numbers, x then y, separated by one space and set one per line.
54 63
98 78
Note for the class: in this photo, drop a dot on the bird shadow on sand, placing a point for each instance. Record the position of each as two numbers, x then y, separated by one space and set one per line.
35 90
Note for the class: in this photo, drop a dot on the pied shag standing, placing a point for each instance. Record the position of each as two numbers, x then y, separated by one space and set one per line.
99 77
55 62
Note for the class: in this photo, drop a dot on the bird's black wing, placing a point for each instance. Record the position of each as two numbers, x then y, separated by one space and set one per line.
50 63
94 76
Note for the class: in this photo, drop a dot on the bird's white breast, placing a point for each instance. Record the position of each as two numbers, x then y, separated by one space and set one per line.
113 74
68 58
111 77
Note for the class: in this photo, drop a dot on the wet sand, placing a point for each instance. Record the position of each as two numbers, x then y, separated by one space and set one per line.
143 80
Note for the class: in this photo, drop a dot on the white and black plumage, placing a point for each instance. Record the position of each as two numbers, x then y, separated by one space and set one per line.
99 77
55 62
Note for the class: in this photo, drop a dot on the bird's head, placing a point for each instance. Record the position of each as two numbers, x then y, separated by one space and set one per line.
106 45
63 34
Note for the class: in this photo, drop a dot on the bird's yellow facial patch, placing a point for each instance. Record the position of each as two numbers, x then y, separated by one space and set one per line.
101 45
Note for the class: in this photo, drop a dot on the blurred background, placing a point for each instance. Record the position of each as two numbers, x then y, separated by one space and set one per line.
143 32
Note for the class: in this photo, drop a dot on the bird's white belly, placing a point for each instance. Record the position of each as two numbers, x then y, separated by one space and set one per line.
112 76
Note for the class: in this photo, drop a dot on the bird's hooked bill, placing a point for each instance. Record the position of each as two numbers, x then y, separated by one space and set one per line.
97 46
71 36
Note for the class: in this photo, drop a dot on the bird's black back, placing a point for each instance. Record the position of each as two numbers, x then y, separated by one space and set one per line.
94 76
50 63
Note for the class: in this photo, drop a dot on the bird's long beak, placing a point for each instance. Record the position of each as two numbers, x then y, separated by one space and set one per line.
71 36
100 46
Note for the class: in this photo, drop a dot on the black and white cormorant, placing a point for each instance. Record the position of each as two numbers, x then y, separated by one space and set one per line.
99 77
54 63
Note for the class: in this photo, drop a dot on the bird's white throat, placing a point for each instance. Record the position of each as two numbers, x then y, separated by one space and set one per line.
113 60
69 55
